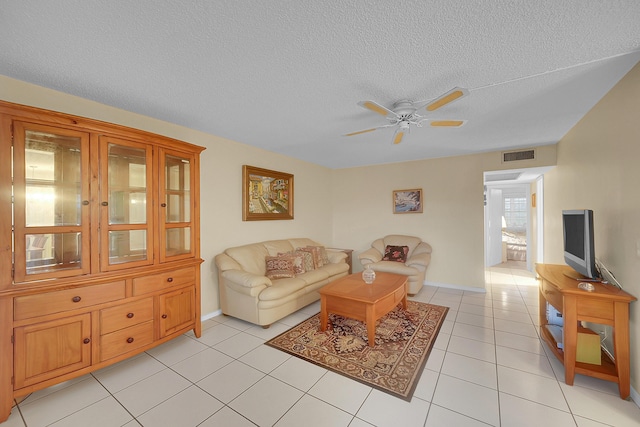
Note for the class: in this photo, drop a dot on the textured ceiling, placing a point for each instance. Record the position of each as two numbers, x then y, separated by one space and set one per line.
287 75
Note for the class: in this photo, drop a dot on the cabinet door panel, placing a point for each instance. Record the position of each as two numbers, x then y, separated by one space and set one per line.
50 349
177 310
177 205
126 204
52 201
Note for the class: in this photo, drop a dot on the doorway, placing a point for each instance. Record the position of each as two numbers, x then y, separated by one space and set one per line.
514 217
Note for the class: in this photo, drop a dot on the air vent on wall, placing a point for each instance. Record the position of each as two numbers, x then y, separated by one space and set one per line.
514 156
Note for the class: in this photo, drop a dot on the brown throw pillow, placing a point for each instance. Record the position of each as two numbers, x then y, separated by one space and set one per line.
395 253
279 267
307 260
323 254
298 261
315 254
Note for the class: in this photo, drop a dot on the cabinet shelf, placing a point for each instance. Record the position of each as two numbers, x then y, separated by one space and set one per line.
605 371
605 305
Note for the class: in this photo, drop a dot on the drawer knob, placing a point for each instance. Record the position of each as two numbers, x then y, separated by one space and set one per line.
130 340
129 315
76 299
86 340
85 202
164 205
105 203
170 279
164 316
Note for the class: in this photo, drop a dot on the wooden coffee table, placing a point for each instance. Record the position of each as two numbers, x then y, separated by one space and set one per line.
351 297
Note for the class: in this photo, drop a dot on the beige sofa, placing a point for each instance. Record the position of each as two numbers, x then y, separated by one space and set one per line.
415 266
248 294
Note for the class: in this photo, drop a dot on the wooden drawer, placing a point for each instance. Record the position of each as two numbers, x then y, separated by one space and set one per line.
29 306
551 294
155 282
593 309
125 340
125 315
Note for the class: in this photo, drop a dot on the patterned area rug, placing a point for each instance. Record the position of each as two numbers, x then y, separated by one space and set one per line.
403 342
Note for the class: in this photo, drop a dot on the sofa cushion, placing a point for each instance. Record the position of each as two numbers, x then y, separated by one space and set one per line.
395 253
336 268
279 267
250 257
395 267
282 288
277 246
314 276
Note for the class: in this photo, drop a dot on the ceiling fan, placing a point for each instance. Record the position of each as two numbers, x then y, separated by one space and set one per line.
405 113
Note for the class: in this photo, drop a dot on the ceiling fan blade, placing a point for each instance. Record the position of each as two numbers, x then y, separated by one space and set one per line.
400 132
376 108
450 123
360 131
452 95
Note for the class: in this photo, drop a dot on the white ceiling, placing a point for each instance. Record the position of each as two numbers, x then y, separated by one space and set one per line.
287 75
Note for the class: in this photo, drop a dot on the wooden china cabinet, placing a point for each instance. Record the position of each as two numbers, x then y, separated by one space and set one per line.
99 246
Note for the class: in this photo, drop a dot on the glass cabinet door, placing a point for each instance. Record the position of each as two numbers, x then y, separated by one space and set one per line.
176 205
125 204
51 202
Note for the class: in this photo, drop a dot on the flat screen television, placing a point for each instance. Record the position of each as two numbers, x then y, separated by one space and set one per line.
578 243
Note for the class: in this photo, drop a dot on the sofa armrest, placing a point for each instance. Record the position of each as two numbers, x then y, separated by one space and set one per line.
423 247
369 256
420 260
225 262
246 279
336 256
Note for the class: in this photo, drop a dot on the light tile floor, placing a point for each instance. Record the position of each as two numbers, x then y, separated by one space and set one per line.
488 367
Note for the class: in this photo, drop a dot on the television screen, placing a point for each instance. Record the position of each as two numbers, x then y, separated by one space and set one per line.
578 243
574 235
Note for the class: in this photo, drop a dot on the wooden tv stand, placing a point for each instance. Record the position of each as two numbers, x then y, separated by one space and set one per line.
606 305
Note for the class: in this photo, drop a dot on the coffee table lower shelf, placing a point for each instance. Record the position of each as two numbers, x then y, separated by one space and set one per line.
351 297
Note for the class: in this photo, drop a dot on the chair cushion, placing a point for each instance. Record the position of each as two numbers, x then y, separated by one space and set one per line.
395 253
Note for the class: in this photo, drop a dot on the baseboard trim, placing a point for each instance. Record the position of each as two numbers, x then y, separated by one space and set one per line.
635 397
210 315
458 287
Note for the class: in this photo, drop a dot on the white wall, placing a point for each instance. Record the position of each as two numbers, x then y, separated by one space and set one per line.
342 208
598 168
221 180
453 217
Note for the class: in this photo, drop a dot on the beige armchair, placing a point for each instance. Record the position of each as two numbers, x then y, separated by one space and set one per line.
418 256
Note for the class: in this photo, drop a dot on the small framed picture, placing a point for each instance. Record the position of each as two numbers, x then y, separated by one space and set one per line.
407 201
266 194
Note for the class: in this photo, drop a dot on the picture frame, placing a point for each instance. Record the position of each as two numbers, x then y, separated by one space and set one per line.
266 194
407 201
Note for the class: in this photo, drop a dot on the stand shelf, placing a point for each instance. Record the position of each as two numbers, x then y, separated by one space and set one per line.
605 305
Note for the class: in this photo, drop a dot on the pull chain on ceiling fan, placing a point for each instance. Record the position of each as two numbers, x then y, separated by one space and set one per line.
404 114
